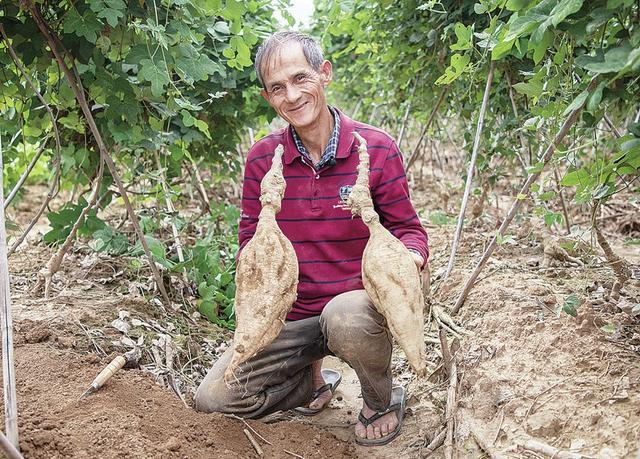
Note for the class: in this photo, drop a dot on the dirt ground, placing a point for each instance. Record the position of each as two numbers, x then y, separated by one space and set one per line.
527 370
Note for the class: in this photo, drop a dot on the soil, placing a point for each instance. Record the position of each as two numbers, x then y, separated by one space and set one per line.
527 369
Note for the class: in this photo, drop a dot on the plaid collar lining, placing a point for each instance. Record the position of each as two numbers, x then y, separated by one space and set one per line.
332 147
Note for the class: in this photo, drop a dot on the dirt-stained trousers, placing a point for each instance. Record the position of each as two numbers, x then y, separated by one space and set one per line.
279 377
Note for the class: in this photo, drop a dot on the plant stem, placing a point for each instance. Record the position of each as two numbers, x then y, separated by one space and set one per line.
432 116
26 173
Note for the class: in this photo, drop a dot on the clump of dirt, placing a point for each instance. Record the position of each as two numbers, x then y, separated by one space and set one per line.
133 417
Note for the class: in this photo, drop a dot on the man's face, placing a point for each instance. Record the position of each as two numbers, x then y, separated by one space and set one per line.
293 88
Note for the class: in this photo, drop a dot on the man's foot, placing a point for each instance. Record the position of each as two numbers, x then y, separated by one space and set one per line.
318 381
379 428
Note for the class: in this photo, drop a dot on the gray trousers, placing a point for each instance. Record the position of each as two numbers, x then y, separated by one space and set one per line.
279 377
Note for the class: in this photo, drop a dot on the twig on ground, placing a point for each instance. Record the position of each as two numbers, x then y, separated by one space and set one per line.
451 411
446 353
437 441
515 206
555 453
253 442
293 454
535 400
484 445
250 428
497 435
97 347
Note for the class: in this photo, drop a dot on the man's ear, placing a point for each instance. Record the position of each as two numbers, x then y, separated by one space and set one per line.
263 93
326 72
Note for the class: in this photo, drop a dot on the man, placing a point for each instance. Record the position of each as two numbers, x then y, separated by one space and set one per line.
332 314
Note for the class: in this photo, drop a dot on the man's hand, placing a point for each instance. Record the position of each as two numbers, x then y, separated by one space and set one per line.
417 259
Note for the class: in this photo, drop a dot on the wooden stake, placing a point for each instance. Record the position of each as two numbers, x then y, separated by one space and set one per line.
515 206
8 372
78 90
472 165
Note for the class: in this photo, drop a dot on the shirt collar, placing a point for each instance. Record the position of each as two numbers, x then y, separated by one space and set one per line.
330 150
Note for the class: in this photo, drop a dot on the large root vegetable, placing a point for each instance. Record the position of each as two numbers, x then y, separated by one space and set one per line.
389 273
267 275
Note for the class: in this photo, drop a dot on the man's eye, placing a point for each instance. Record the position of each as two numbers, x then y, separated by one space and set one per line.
276 89
301 77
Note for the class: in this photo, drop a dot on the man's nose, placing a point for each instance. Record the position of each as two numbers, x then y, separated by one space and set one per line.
293 93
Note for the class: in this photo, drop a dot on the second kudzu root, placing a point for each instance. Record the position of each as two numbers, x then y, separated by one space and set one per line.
389 273
266 277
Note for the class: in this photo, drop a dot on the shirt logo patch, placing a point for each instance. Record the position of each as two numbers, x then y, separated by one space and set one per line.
343 193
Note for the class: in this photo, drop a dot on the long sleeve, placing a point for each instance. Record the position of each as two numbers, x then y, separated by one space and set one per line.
393 204
250 205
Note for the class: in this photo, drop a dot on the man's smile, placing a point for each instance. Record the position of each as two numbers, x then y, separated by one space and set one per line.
298 108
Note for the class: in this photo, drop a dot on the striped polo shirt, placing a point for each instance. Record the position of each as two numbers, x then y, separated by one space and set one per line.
328 241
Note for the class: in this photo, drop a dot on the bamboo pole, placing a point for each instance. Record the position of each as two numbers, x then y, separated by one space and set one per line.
472 165
8 372
10 450
515 206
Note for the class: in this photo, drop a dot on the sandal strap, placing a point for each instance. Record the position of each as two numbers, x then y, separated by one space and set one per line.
316 393
366 421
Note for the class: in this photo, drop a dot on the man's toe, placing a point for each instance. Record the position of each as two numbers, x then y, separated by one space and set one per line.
370 434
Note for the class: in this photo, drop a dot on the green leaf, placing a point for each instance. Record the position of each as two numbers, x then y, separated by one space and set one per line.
563 9
233 10
111 10
531 88
523 25
516 5
156 75
464 35
579 177
570 305
501 49
576 103
87 25
542 47
595 97
609 328
479 8
613 61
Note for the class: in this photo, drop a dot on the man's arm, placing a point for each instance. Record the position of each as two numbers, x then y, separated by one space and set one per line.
250 205
392 202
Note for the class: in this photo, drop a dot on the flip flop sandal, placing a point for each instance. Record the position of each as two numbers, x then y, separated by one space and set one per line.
398 397
332 380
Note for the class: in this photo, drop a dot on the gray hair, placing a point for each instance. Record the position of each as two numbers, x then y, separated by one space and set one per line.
310 48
